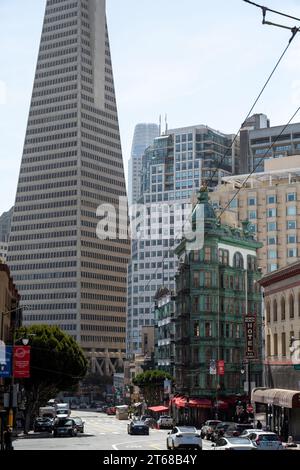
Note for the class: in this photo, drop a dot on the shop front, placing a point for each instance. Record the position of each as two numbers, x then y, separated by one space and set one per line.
278 410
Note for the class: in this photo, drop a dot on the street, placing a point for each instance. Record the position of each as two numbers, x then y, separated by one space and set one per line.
101 432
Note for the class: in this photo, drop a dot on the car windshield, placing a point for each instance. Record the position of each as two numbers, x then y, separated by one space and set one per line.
64 422
187 430
239 440
268 437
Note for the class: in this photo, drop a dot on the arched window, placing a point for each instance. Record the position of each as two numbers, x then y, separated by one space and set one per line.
275 310
282 308
291 306
268 312
238 261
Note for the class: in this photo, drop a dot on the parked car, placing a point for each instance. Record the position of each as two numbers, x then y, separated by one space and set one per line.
165 422
184 437
79 424
138 427
236 429
65 427
220 430
266 440
234 443
43 425
150 422
208 428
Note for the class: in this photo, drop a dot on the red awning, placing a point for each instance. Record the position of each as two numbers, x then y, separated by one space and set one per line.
199 403
180 402
223 405
158 409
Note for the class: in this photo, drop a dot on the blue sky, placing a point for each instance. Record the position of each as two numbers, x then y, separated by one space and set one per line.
199 61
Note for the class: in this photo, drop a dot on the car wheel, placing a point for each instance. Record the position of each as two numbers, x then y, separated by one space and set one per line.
55 434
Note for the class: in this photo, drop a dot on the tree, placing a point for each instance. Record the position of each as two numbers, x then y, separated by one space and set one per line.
57 363
151 384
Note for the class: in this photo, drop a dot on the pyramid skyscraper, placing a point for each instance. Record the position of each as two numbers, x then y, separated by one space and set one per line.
71 164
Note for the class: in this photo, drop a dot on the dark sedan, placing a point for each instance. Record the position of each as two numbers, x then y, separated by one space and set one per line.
43 425
65 427
138 427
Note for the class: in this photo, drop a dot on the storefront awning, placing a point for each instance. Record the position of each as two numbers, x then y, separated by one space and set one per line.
158 409
182 402
277 396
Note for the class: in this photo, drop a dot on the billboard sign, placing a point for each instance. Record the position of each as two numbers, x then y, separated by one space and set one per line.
21 362
6 363
250 325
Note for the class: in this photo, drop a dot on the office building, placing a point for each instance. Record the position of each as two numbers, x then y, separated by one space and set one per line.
259 142
144 134
173 169
71 164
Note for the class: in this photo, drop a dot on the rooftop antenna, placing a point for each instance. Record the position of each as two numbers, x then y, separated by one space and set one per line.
160 124
166 120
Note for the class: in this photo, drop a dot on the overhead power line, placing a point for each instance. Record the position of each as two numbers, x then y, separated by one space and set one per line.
259 162
272 11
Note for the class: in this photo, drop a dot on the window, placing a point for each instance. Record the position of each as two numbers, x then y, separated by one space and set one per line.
268 312
233 204
282 308
272 254
291 197
275 344
195 304
291 210
291 225
272 226
283 344
291 238
291 307
207 279
196 329
272 240
252 201
238 261
251 215
208 330
292 252
271 212
207 303
196 279
207 254
272 267
271 199
274 310
268 345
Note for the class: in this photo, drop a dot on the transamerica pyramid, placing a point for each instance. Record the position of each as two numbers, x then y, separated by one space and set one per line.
71 164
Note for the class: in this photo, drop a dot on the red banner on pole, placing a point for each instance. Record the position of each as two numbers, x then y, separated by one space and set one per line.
21 362
221 367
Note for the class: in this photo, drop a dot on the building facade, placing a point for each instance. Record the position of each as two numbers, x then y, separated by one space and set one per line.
281 397
144 134
165 331
216 291
270 201
173 169
260 141
72 164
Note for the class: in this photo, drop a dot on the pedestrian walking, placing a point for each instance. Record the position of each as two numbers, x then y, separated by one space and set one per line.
8 439
259 425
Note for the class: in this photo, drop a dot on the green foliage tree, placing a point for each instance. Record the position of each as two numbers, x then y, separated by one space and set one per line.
57 363
151 384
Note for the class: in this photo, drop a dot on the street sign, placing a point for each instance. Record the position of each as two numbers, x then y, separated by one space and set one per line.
250 324
21 362
221 367
5 370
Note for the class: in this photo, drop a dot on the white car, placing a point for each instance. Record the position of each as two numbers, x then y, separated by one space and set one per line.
165 422
184 437
266 440
234 443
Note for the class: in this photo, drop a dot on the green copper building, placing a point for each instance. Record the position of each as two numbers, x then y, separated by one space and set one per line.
216 288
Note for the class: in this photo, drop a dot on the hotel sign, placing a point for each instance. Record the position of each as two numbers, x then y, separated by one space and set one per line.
250 324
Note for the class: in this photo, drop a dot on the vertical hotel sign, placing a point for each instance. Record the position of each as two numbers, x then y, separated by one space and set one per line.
21 362
250 324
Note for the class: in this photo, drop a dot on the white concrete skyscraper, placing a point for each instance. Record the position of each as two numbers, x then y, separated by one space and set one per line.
71 164
144 134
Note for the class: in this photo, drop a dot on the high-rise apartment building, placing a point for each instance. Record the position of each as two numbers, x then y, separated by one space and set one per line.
173 168
270 201
144 134
259 141
71 164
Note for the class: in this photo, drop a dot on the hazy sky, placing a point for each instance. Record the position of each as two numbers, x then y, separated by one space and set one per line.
199 61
